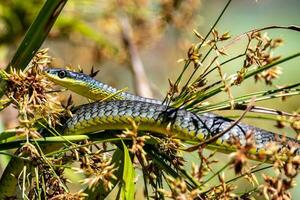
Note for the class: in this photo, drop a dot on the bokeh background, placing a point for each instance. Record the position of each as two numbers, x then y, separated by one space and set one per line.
92 33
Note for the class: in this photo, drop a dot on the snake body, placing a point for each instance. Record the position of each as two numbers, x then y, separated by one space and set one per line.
177 123
153 116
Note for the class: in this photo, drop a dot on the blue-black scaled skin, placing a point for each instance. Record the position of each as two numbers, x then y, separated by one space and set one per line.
151 115
177 123
89 87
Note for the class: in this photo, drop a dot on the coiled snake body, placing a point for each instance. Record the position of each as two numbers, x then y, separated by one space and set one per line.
151 115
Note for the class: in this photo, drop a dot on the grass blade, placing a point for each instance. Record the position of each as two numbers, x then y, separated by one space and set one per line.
127 188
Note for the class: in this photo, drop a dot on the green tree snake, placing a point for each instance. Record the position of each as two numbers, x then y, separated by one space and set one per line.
150 115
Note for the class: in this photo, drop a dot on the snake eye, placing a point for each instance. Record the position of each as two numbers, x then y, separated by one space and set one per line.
62 74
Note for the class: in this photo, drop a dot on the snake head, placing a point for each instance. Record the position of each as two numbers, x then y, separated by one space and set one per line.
77 82
66 78
57 73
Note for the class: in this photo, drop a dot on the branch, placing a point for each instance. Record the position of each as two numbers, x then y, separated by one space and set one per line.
141 82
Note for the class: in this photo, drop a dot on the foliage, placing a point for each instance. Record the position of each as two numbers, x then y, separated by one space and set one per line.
108 164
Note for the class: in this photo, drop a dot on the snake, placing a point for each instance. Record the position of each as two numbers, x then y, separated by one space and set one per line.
121 109
154 116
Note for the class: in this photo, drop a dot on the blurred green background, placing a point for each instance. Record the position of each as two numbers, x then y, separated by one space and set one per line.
88 34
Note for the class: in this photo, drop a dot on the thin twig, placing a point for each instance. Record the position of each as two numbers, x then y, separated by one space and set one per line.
290 27
264 110
226 86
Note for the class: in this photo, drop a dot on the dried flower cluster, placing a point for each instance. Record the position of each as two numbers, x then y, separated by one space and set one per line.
192 88
32 96
48 177
53 182
138 142
292 121
260 55
205 166
224 191
239 158
179 190
70 196
273 187
178 13
97 166
278 187
170 147
30 93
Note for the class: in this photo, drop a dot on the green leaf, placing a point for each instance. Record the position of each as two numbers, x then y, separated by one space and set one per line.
127 187
32 41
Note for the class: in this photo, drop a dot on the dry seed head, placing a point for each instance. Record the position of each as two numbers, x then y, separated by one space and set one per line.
276 188
138 142
215 34
170 146
70 196
198 35
205 165
30 150
224 191
239 158
52 185
259 53
179 190
103 173
195 56
269 75
225 36
276 43
295 124
30 92
173 88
